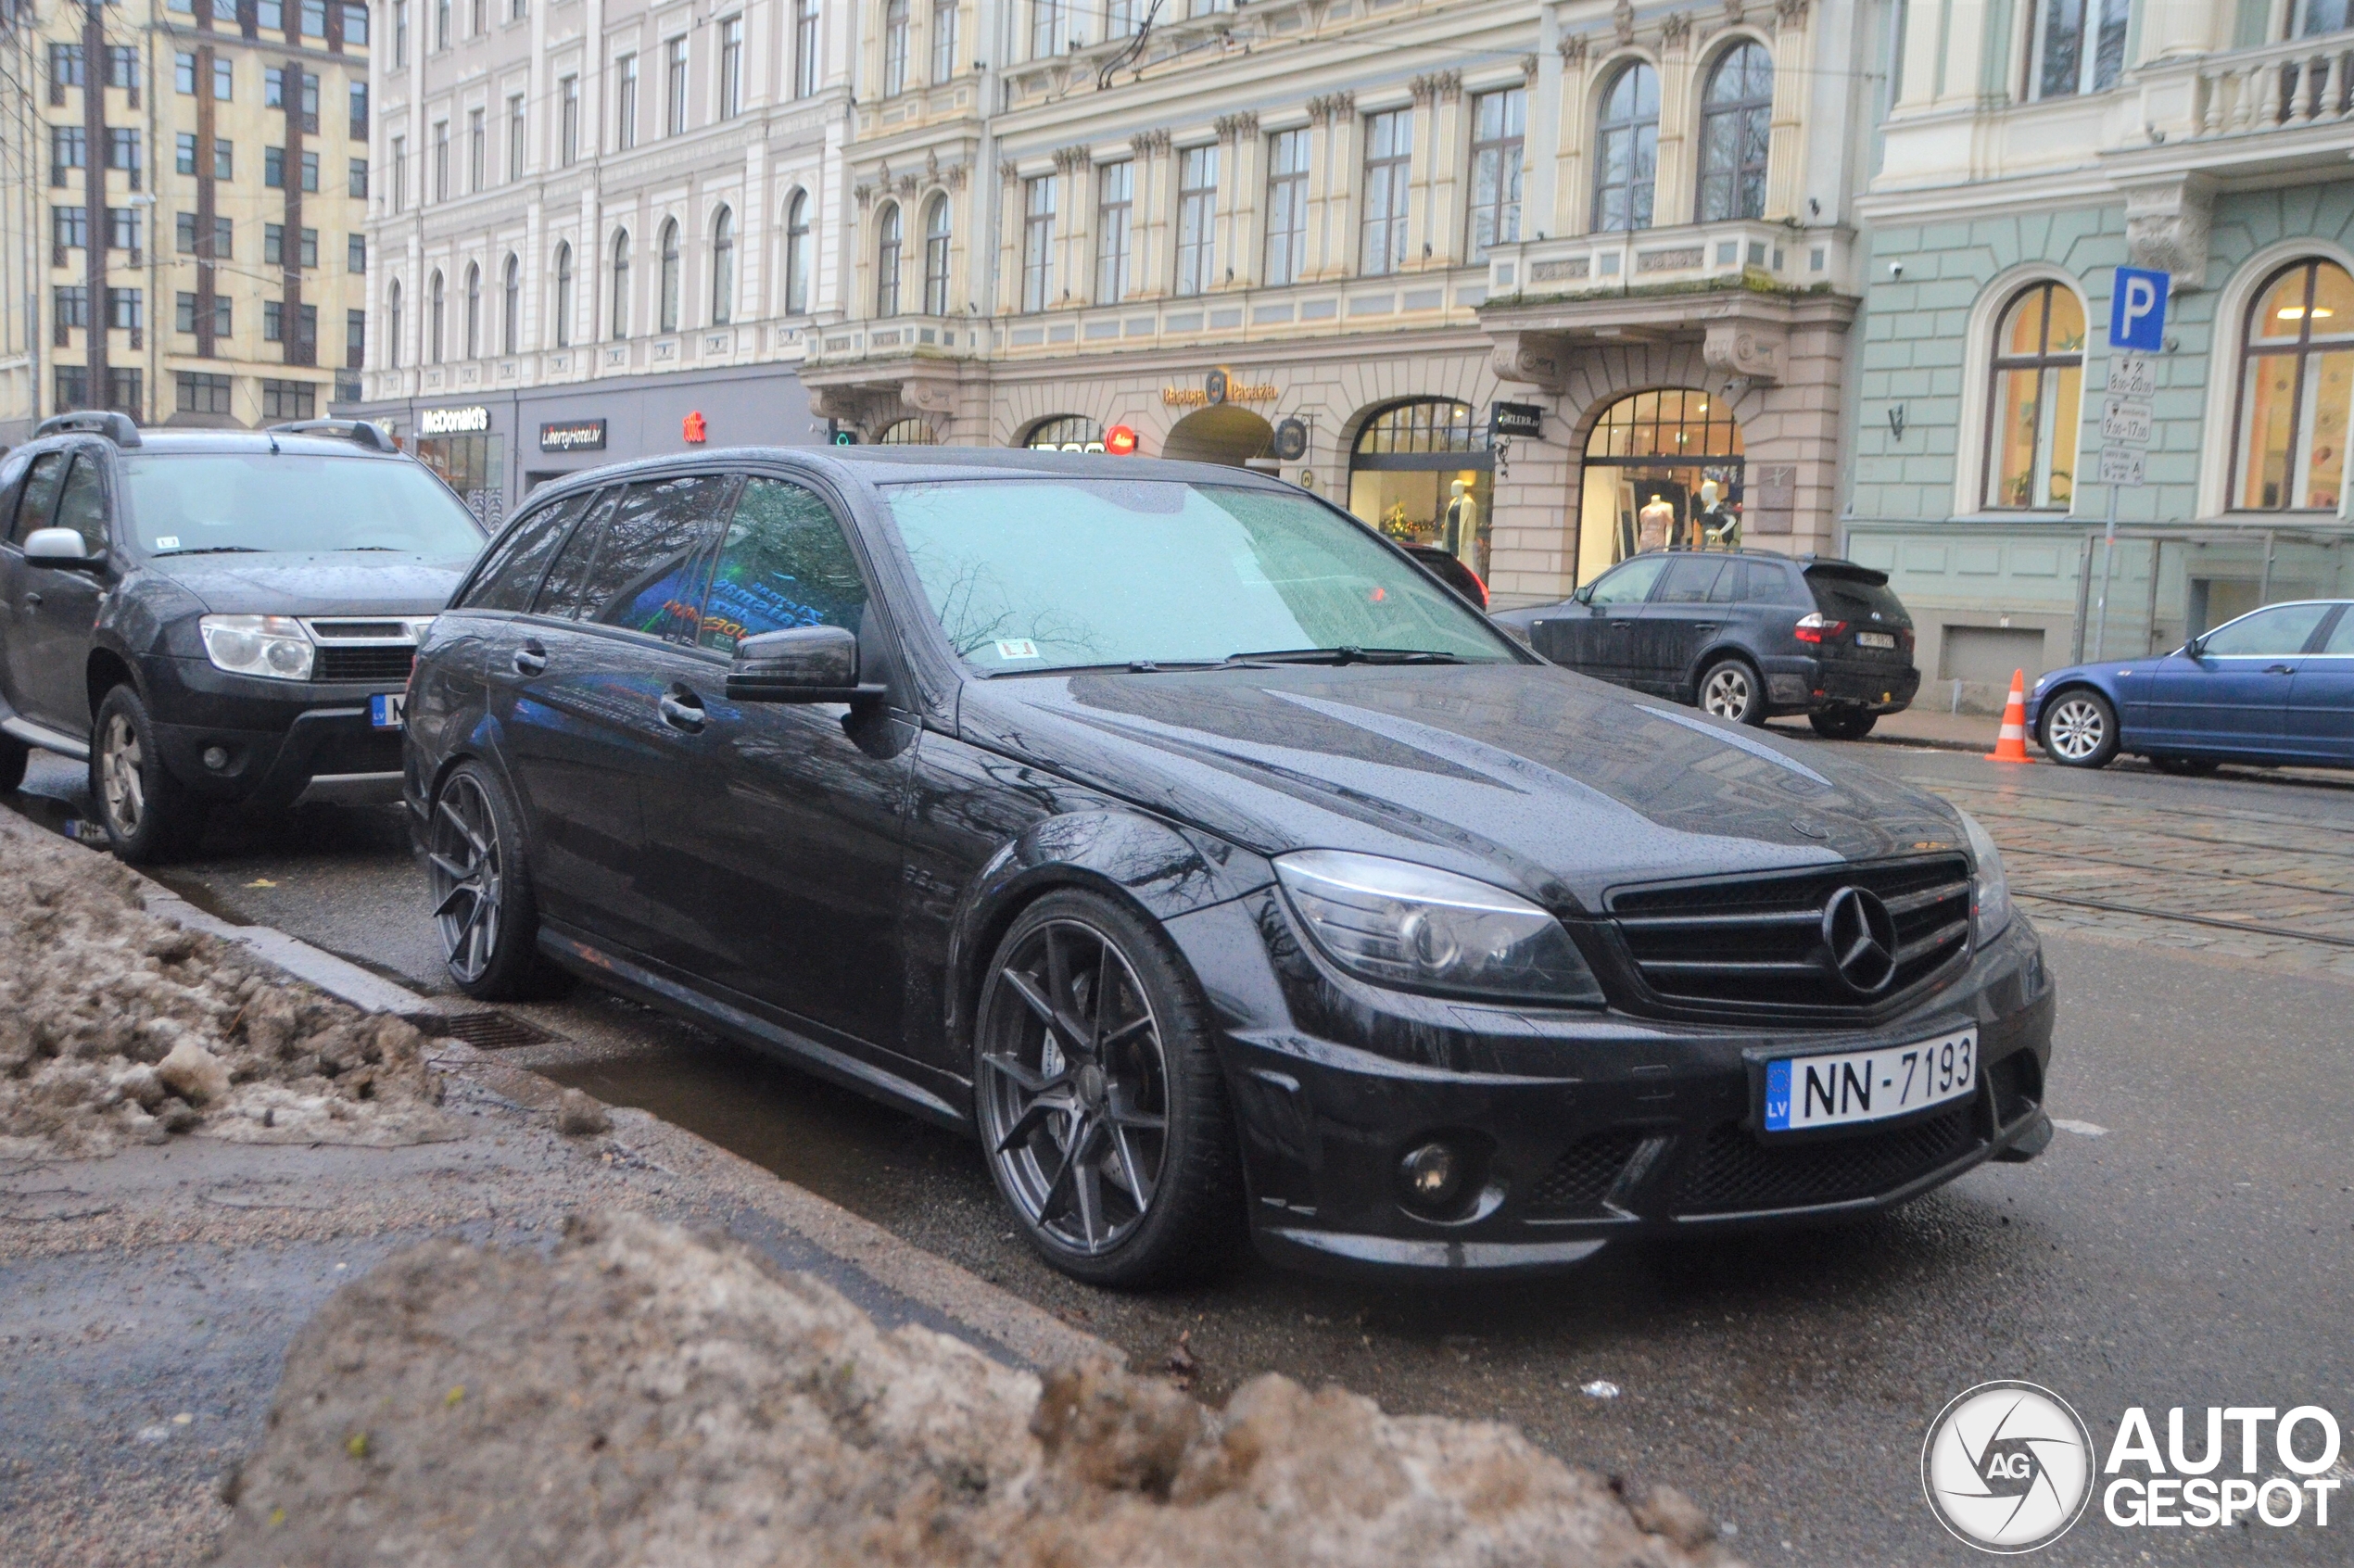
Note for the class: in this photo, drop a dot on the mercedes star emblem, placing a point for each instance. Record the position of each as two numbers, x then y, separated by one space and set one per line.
1859 939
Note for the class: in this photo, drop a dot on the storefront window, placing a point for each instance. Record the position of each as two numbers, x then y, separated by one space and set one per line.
2294 383
1663 471
1420 473
909 432
1066 433
472 466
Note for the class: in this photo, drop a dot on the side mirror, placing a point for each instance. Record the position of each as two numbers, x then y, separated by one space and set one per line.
2194 648
1584 594
799 664
62 548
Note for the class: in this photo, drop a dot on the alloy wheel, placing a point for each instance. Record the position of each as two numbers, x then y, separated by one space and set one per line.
121 776
2076 730
1075 1092
468 886
1727 692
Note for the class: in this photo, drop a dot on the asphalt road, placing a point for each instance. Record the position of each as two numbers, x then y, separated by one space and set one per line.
2188 1244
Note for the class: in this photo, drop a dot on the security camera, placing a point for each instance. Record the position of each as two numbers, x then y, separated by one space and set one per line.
1896 269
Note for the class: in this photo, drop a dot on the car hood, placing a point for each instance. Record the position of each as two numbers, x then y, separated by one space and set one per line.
331 583
1568 786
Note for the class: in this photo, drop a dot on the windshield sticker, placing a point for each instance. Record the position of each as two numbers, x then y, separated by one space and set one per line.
1017 647
169 542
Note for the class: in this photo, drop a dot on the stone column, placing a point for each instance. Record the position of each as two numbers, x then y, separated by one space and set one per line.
1437 209
1675 190
1334 243
1793 84
1151 262
1238 185
1572 210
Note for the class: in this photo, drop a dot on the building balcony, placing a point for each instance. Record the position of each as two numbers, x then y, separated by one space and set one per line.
2255 111
1696 257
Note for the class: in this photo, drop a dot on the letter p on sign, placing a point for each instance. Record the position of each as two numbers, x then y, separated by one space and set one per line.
2137 311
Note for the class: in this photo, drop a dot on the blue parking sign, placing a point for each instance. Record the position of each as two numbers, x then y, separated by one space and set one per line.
2137 310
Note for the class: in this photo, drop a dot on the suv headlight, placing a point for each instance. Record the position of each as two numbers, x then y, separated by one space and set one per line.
274 646
1990 894
1398 924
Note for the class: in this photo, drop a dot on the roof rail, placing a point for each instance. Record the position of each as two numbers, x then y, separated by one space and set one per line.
360 430
117 427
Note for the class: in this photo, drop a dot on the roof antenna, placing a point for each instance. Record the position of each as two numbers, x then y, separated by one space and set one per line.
274 442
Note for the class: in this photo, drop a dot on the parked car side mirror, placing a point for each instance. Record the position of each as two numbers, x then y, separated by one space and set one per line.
2194 648
799 664
61 548
1584 594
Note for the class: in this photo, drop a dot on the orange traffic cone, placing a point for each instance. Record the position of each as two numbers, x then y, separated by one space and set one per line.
2011 745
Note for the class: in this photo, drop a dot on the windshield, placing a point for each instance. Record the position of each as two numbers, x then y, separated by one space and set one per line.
183 503
1039 575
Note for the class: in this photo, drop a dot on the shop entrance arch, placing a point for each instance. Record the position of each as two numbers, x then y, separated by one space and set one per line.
1663 471
1420 472
1221 433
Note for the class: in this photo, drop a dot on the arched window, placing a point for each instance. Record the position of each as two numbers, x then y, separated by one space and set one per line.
2037 400
1066 433
510 327
473 309
2295 407
620 312
563 296
1736 133
433 321
1626 151
936 257
907 433
797 255
392 322
1663 470
1420 473
887 249
670 276
723 268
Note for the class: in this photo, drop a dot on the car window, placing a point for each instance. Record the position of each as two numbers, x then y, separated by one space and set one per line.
12 468
511 574
1843 598
2272 632
82 508
1688 579
190 502
784 562
1734 585
2342 640
654 549
1631 584
39 502
563 592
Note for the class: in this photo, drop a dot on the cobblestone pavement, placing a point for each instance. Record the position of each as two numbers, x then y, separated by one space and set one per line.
2230 881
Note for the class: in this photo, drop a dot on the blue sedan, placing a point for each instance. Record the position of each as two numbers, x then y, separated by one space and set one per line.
2275 686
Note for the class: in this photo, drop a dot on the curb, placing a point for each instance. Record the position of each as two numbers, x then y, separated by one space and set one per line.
925 1278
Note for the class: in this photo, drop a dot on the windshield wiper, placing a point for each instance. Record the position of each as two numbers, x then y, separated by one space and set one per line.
1345 655
353 550
215 549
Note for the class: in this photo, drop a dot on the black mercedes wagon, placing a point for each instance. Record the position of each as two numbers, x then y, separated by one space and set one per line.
1184 841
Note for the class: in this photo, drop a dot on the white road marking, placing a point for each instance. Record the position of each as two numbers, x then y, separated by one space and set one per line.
2083 1129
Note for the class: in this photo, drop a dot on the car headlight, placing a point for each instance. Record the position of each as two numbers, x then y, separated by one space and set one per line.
274 646
1398 924
1990 894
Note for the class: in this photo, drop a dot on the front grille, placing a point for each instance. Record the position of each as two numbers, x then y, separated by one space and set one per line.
1734 1172
380 665
1582 1177
1755 943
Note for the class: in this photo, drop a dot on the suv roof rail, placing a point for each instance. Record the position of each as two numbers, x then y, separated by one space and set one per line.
360 430
117 427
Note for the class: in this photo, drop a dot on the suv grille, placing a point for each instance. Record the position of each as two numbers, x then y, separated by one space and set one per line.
384 665
1734 1172
1757 945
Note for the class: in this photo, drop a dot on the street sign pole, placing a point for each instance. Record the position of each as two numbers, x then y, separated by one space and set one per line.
2136 332
2108 564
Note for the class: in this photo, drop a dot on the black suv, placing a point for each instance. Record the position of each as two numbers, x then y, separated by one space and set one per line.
216 617
1743 633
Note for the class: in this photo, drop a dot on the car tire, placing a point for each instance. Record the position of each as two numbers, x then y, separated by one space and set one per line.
484 908
1115 1152
1731 689
1842 723
14 757
147 815
2077 729
2185 767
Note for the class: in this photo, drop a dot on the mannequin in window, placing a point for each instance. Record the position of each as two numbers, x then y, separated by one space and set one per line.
1461 525
1656 523
1714 525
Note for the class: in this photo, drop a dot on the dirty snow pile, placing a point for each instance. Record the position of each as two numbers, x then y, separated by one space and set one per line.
642 1396
117 1027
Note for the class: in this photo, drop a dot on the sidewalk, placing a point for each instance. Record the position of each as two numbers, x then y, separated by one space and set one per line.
1922 726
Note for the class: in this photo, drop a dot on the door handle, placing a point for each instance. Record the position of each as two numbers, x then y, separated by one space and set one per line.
531 658
32 602
2280 669
682 711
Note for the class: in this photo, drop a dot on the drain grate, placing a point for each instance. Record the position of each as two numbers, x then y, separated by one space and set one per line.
484 1030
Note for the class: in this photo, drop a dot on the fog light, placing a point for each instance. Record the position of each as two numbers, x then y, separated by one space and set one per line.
215 757
1434 1173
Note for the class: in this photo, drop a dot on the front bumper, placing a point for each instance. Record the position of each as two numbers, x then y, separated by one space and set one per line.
1584 1128
285 741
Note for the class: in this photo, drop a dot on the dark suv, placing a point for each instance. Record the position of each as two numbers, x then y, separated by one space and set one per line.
216 617
1743 633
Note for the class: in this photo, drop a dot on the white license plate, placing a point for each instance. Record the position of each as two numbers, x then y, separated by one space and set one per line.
1875 639
385 709
1808 1091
